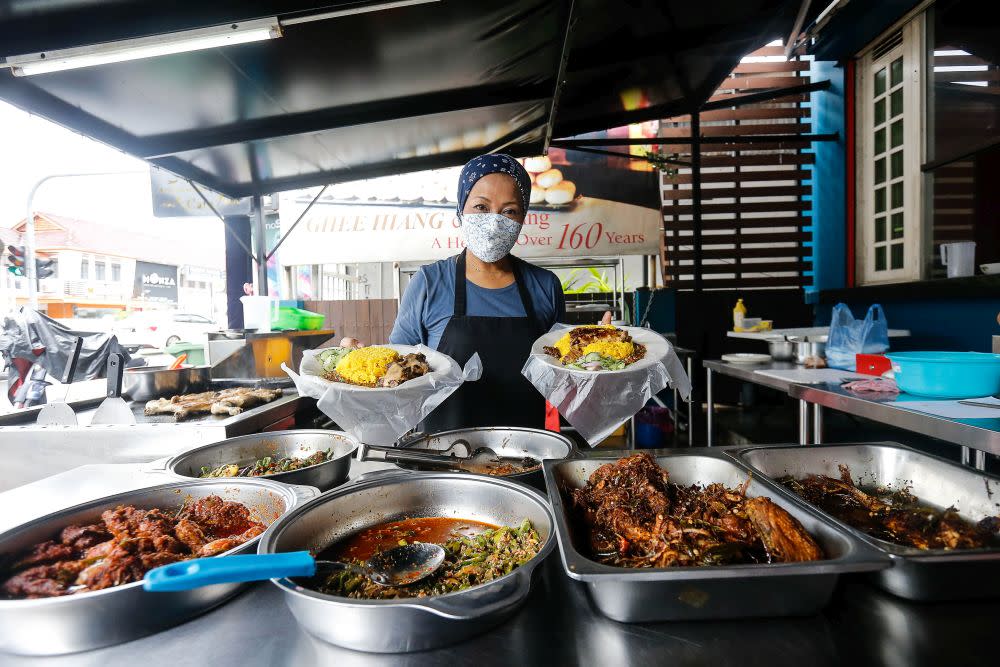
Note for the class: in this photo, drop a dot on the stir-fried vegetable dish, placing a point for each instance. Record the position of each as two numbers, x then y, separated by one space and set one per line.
476 553
268 466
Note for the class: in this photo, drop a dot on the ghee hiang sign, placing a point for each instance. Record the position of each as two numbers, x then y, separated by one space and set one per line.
412 218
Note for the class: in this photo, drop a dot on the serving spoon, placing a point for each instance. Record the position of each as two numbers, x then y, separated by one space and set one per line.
399 566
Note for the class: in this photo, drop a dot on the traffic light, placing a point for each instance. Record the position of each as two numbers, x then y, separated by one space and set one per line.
15 258
45 267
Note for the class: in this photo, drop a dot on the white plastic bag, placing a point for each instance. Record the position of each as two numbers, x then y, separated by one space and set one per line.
381 416
597 403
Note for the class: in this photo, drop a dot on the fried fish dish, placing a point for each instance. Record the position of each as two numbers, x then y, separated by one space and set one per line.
634 516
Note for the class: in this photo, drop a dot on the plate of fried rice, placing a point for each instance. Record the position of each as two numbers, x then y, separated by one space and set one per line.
601 348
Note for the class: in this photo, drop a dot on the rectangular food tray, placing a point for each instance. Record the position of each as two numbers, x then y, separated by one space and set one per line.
916 574
635 595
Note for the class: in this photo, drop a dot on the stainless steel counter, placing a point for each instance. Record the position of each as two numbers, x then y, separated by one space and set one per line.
982 435
747 373
558 626
33 452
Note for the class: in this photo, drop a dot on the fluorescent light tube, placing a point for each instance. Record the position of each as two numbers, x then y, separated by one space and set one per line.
144 47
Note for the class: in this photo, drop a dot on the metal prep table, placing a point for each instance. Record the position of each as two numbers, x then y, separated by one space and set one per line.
974 435
33 452
747 373
557 626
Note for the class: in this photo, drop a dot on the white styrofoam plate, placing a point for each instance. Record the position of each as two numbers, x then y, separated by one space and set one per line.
990 269
441 364
656 349
746 358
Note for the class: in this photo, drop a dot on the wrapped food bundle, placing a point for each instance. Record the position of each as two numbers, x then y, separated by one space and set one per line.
598 377
378 393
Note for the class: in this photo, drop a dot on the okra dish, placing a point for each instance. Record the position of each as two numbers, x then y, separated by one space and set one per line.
269 465
475 553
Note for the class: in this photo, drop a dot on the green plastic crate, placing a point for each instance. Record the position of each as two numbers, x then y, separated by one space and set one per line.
194 351
296 319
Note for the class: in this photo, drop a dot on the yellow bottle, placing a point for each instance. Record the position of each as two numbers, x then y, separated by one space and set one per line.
739 312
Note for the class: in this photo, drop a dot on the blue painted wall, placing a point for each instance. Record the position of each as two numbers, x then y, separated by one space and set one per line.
829 182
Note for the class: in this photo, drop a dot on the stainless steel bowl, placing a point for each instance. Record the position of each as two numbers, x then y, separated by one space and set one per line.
246 449
505 441
780 348
147 383
808 346
86 621
415 624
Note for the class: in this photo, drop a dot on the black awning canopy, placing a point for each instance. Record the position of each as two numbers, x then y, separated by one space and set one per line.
388 91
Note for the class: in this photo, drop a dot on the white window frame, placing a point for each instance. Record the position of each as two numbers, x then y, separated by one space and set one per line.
913 50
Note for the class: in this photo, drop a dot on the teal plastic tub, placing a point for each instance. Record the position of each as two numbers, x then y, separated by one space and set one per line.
947 374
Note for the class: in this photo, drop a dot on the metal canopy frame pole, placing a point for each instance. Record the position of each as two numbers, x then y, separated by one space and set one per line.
728 139
260 244
295 224
560 77
194 186
627 156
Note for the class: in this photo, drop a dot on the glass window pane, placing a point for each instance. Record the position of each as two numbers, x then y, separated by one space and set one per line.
896 103
897 133
897 226
896 164
897 195
879 141
879 229
880 200
880 111
879 82
880 258
879 170
897 72
897 255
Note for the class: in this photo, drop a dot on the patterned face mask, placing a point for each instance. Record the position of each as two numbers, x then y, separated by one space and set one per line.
490 236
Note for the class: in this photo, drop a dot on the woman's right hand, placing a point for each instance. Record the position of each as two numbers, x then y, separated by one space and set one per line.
351 342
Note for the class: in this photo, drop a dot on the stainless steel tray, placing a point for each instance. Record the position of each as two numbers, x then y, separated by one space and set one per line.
916 574
690 593
85 621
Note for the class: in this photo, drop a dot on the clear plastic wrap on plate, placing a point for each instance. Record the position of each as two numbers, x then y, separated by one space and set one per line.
598 402
380 416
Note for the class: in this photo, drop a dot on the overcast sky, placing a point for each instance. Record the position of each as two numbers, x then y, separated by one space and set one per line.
34 148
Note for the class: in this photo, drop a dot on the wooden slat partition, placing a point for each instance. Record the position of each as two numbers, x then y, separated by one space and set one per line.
753 206
368 320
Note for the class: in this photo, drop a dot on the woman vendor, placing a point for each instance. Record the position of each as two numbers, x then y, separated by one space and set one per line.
485 300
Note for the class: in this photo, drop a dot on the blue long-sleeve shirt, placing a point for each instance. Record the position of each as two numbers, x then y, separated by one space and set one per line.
429 302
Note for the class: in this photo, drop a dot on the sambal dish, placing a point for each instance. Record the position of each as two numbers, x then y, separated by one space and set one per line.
895 516
475 553
633 516
126 543
268 465
596 348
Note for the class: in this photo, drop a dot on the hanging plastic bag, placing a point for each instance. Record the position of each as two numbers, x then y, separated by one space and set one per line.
850 337
380 416
596 403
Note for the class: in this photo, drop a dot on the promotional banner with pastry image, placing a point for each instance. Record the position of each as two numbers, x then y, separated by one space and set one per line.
581 205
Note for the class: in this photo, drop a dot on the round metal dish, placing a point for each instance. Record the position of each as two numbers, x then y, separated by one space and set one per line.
147 383
808 346
506 441
246 449
85 621
780 348
415 624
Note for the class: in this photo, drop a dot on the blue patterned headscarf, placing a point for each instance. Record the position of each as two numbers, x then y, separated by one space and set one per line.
496 163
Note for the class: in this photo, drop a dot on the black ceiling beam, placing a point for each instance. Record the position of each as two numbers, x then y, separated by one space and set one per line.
729 139
386 167
365 113
765 96
560 82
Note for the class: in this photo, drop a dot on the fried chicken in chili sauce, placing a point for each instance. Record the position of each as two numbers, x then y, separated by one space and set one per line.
634 516
123 546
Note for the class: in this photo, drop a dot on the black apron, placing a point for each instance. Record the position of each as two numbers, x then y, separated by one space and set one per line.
502 396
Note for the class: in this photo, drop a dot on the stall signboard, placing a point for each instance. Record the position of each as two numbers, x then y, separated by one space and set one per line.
155 282
413 218
173 197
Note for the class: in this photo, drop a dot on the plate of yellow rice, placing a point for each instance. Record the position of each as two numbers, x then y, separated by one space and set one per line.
363 368
601 348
